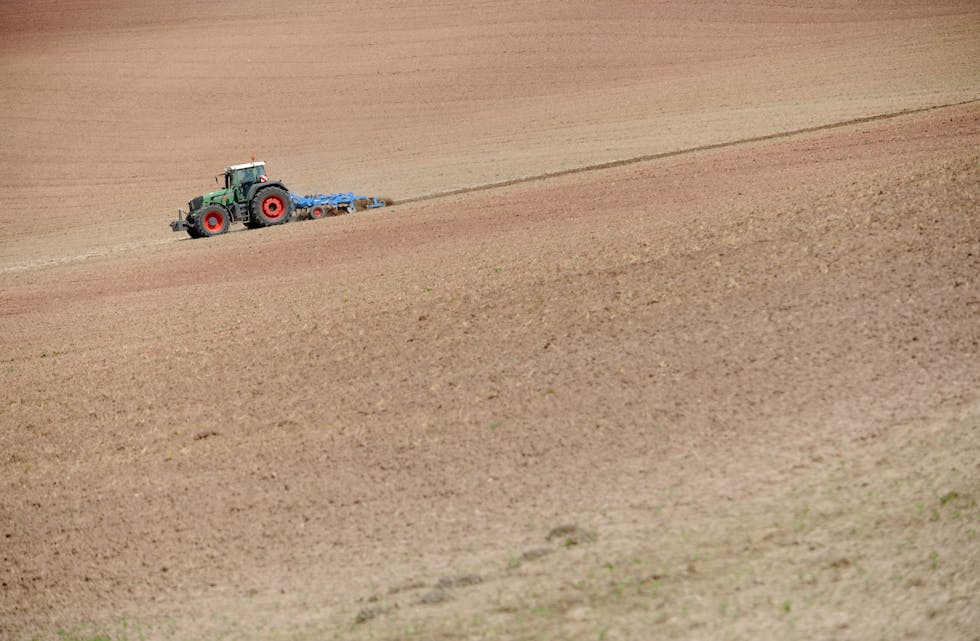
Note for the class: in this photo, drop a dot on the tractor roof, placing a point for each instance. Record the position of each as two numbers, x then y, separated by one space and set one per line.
247 165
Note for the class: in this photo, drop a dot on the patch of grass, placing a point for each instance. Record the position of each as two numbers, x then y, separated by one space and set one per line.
949 496
118 629
80 634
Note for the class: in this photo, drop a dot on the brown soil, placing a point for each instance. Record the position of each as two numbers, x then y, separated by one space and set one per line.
742 379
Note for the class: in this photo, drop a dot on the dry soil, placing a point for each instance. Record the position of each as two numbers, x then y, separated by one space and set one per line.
674 333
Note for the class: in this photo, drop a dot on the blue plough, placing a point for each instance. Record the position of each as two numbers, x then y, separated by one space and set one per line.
318 205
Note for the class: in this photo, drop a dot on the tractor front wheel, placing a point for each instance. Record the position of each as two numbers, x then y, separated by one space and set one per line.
271 206
211 221
192 228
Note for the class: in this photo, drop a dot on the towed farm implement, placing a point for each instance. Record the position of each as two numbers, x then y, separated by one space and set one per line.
250 197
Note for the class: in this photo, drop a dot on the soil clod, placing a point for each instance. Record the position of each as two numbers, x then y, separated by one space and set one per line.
372 612
459 581
535 554
571 535
434 597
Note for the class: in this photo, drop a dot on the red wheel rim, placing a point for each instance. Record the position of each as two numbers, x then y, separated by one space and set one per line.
317 212
273 207
214 221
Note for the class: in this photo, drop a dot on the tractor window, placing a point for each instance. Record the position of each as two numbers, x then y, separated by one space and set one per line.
243 177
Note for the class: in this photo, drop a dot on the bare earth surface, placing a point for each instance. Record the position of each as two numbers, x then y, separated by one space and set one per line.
720 393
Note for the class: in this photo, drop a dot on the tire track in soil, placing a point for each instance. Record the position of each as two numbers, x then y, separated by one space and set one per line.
612 164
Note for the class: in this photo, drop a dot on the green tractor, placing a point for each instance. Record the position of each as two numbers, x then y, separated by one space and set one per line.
248 196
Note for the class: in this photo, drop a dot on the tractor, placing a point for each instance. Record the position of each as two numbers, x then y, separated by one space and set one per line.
248 196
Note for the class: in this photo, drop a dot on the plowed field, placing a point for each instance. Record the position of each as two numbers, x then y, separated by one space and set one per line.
672 332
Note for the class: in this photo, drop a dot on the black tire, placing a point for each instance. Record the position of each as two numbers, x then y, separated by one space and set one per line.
211 221
191 228
270 206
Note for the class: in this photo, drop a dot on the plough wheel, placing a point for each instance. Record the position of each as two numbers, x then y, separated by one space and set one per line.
316 212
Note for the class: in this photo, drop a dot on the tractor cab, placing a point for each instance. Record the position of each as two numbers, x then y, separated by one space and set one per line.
241 177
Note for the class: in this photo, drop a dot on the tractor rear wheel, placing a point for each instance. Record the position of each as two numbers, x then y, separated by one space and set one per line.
271 206
212 221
